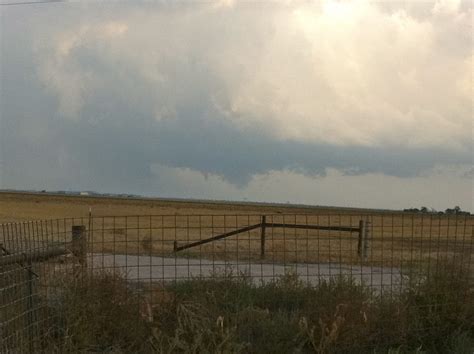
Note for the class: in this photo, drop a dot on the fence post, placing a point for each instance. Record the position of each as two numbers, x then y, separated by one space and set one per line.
262 237
79 245
360 244
366 240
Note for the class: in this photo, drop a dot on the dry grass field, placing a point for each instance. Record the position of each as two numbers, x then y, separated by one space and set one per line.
150 227
19 207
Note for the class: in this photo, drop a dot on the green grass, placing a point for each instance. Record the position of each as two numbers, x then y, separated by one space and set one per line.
230 314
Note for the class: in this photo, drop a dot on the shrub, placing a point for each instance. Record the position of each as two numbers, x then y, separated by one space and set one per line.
228 314
441 306
97 313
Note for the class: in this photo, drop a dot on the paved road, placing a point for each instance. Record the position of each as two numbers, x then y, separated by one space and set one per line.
146 268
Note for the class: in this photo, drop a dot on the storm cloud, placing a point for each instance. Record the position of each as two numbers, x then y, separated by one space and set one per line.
119 97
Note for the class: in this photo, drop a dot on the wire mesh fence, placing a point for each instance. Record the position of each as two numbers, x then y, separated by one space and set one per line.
149 255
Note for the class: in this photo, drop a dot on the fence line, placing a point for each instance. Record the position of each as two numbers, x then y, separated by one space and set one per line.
151 251
362 230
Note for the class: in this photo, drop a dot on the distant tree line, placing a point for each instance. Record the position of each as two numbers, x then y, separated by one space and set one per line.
450 211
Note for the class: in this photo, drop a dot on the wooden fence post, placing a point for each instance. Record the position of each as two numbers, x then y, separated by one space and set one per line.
262 237
79 243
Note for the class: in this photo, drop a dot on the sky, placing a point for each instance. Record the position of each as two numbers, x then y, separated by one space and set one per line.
344 103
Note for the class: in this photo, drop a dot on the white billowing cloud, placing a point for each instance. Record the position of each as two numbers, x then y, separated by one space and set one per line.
223 3
359 77
442 187
68 79
446 7
343 73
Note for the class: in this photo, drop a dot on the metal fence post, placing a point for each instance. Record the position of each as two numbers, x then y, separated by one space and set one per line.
360 243
366 240
79 243
30 307
262 237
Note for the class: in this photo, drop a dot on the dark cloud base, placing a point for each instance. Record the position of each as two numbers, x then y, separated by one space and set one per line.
118 149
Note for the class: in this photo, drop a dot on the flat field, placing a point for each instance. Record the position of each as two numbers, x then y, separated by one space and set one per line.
151 227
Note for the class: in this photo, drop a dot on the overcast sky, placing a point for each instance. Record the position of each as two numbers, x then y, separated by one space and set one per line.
357 103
